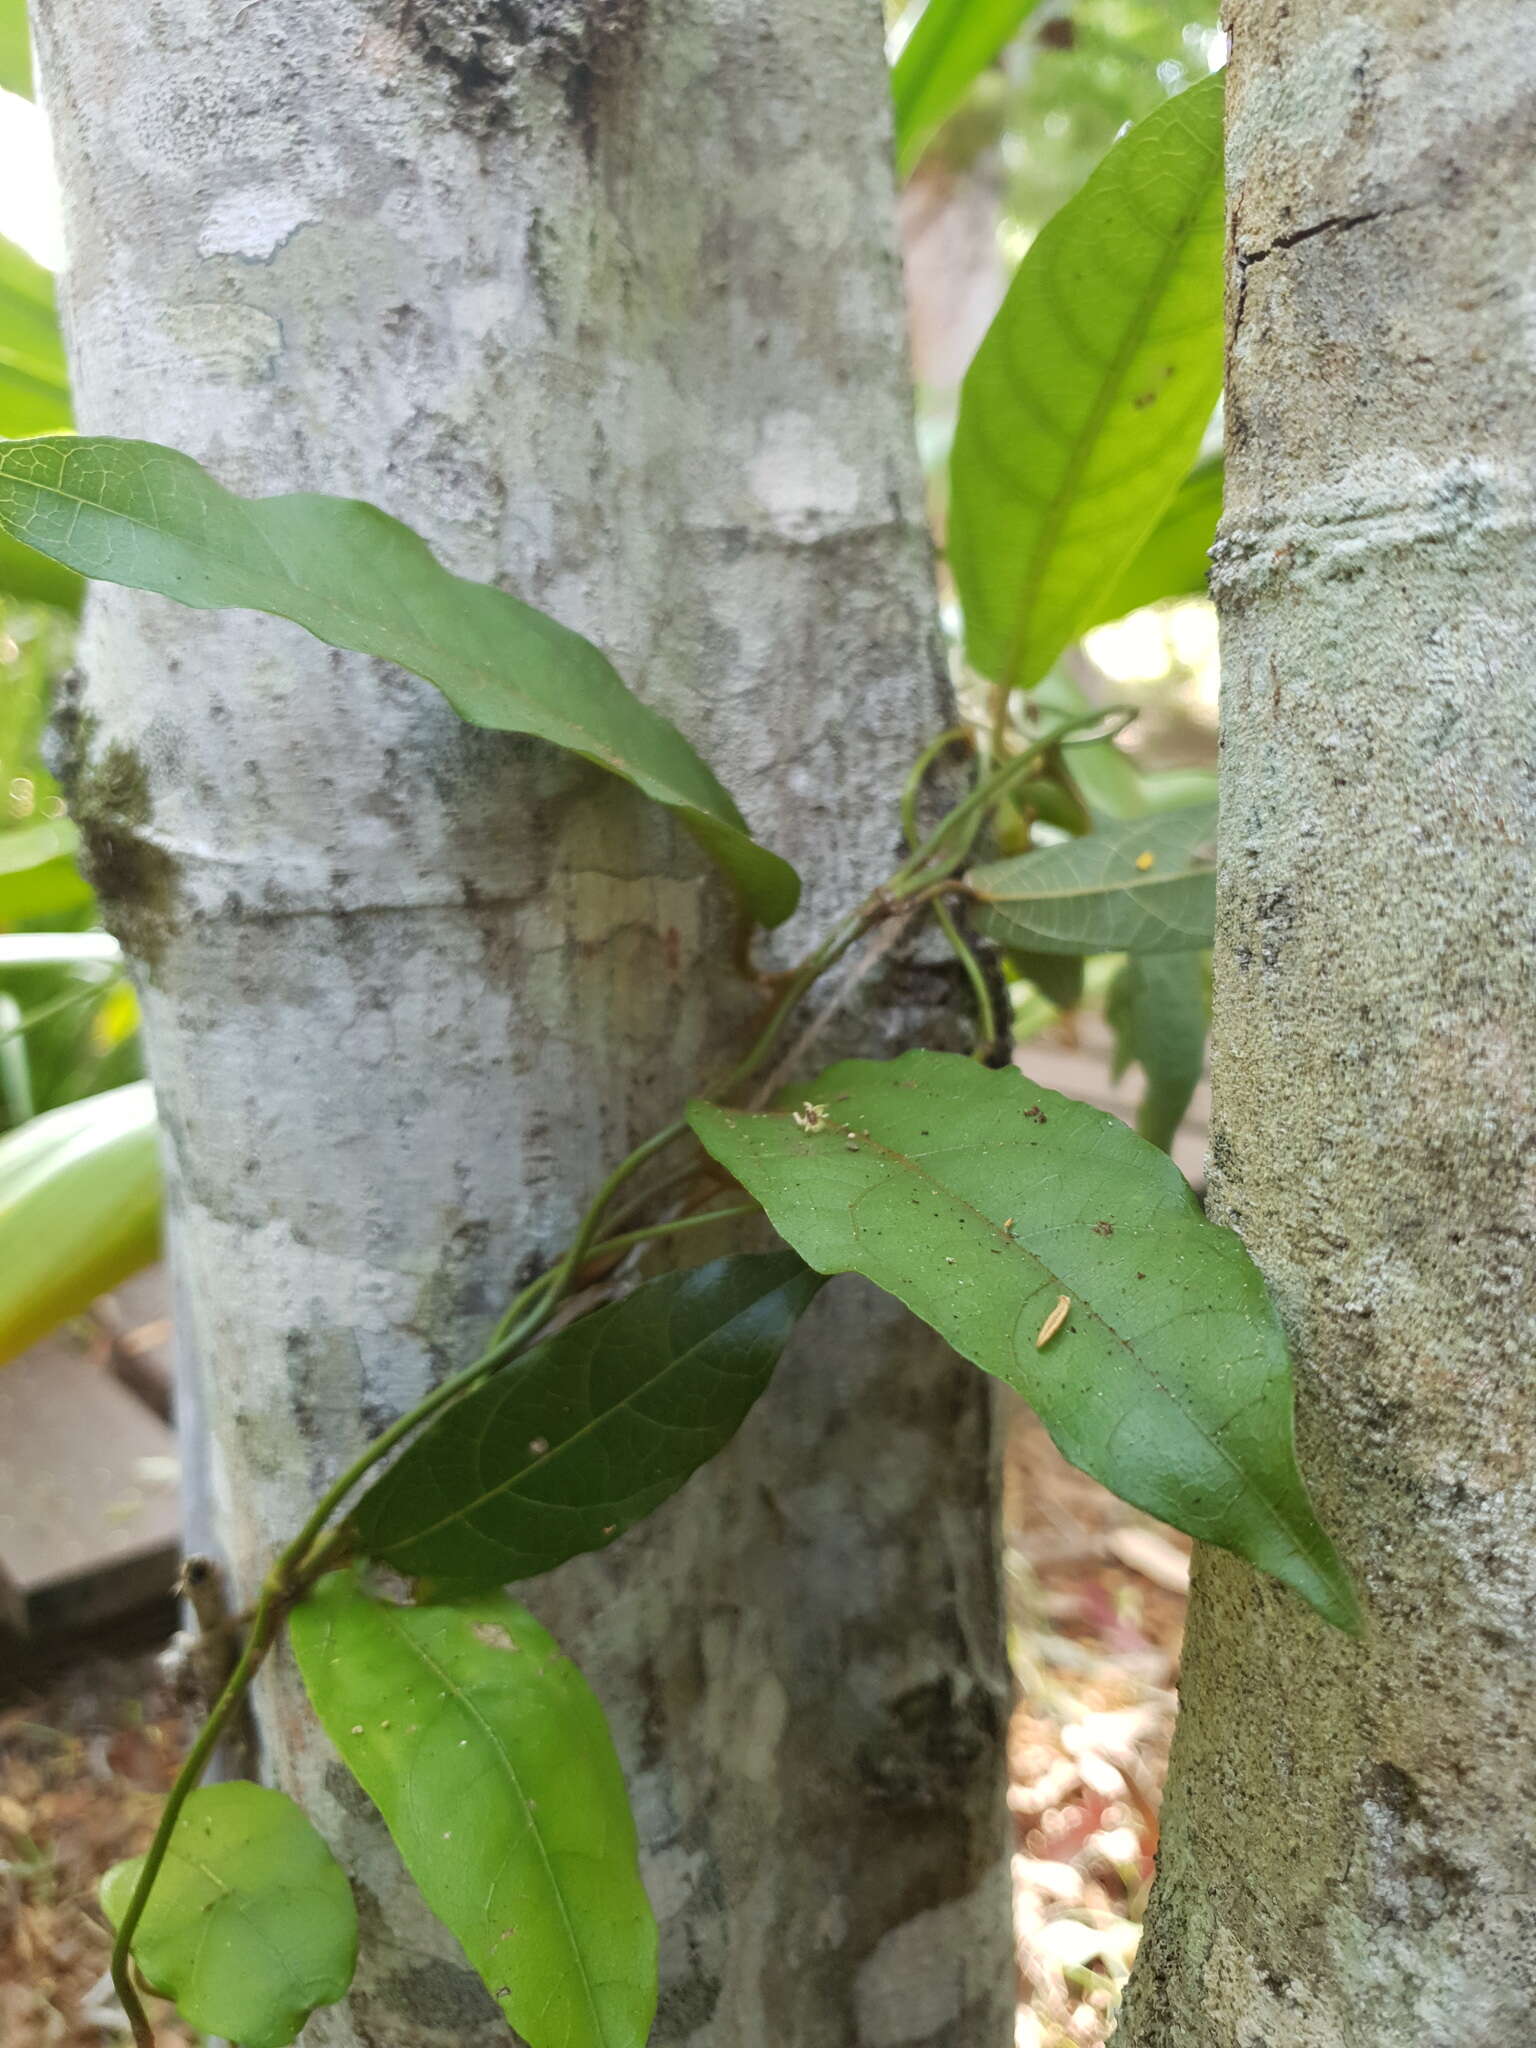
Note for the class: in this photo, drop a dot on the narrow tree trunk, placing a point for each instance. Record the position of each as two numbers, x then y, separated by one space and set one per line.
1348 1855
602 295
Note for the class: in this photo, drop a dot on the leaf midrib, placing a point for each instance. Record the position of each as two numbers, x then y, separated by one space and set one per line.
553 1456
1058 504
452 1685
909 1164
1105 888
605 754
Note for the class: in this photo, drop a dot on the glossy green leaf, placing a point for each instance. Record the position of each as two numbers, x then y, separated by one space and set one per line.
1147 885
490 1760
1158 1011
574 1442
15 49
980 1200
80 1197
1174 559
1087 400
951 44
132 513
250 1926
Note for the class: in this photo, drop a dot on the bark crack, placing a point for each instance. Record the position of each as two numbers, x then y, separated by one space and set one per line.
1333 223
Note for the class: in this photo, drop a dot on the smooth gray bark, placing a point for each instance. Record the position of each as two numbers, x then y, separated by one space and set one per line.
1348 1855
604 299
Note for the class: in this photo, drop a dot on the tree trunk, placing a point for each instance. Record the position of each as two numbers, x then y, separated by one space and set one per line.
1348 1858
602 295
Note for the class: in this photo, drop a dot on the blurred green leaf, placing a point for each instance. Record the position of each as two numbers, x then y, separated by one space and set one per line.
15 49
490 1760
251 1925
1092 68
1034 1013
1087 400
1147 885
132 513
1158 1010
80 1195
38 875
16 1101
34 388
1174 559
1058 976
574 1442
34 380
985 1203
30 578
951 44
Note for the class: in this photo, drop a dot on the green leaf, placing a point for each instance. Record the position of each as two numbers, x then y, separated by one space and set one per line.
1058 976
251 1925
18 1104
1158 1011
1147 885
980 1200
80 1196
26 577
1174 559
15 49
574 1442
38 875
490 1760
34 392
1087 400
34 380
952 43
132 513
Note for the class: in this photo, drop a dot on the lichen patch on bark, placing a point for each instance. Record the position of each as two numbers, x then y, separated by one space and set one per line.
490 52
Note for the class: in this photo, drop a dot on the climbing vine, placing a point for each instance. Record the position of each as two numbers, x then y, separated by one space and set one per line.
1051 1247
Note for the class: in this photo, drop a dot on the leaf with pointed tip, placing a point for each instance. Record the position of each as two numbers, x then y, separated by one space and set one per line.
951 44
1087 400
1157 1009
981 1201
132 513
250 1926
489 1758
1144 886
575 1441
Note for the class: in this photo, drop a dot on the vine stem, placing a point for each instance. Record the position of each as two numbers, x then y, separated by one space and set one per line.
923 877
75 999
986 1012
